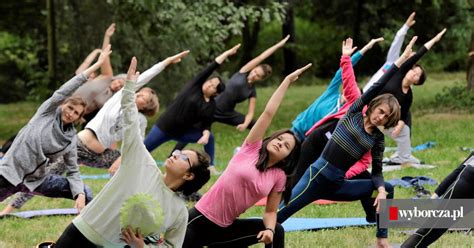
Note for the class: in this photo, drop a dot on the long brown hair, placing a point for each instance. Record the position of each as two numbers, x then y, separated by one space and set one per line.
288 164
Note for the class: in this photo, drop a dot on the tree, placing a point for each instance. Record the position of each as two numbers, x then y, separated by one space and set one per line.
288 28
51 27
470 67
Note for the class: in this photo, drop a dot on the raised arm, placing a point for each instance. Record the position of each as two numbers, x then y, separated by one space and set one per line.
435 39
222 57
68 88
106 68
350 89
370 44
260 58
131 124
396 46
258 130
88 61
149 74
374 90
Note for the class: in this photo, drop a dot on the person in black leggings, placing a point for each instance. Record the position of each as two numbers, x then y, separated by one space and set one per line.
353 137
457 185
239 87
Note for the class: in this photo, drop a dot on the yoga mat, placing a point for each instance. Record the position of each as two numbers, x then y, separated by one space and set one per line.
94 177
386 168
263 202
424 146
306 224
44 212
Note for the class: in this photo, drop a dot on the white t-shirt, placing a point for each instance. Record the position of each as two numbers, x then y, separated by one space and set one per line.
107 124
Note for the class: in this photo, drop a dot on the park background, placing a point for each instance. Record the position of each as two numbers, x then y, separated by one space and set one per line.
43 42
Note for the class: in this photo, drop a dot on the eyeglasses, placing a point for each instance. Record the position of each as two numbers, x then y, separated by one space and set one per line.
182 156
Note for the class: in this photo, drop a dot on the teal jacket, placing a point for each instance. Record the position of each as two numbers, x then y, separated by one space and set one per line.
326 104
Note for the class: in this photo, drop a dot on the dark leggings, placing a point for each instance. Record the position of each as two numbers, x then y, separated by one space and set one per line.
233 119
54 186
72 238
323 180
311 150
241 233
461 188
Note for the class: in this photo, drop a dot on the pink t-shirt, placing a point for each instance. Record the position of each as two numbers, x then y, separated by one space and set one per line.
240 187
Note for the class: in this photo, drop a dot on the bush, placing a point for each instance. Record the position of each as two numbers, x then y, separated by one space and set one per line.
456 97
21 76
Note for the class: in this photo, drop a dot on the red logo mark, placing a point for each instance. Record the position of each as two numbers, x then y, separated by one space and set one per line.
393 213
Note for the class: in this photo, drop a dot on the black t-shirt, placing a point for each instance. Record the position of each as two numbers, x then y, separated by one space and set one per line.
237 90
189 107
394 85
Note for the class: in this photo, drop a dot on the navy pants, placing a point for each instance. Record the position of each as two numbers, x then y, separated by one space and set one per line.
54 186
156 137
323 180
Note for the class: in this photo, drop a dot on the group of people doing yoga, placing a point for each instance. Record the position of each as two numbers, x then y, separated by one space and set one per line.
324 155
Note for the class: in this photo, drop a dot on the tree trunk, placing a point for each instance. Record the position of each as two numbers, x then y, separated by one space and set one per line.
249 40
357 21
470 64
288 28
51 27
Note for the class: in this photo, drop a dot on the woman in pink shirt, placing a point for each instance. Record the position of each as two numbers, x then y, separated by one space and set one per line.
261 168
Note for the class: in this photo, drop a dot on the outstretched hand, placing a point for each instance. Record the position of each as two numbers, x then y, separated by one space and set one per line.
371 44
439 35
110 30
177 58
347 48
132 74
408 51
104 54
294 75
283 42
223 56
233 50
410 20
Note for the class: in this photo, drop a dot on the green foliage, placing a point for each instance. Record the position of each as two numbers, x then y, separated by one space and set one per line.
24 76
455 97
153 30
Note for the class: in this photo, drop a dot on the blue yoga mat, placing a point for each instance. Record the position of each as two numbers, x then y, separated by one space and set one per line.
424 146
101 176
307 224
45 212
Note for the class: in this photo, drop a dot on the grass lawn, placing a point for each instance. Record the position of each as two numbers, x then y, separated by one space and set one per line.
449 129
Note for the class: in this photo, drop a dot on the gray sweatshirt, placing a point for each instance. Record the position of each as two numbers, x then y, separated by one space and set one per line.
44 138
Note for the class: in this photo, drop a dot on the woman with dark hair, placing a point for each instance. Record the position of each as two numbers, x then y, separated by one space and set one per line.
239 87
457 185
189 117
354 136
48 135
139 203
261 168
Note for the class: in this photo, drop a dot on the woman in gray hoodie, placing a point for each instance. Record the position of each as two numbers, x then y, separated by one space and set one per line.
48 135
